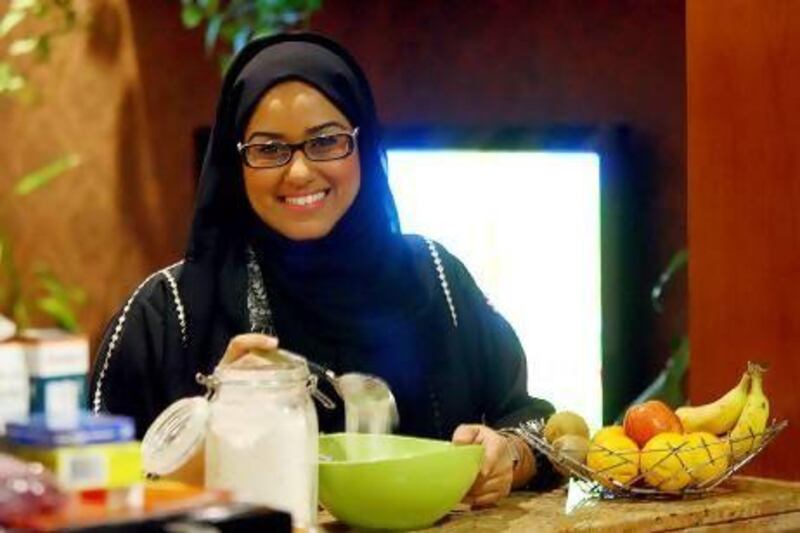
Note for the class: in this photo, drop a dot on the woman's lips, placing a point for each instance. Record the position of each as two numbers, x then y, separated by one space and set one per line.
305 202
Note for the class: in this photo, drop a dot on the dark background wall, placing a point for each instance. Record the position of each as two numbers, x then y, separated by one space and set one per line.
555 62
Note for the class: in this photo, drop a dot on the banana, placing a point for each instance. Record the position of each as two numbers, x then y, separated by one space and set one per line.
746 434
719 416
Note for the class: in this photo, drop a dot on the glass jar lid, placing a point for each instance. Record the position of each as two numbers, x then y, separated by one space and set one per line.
175 436
179 432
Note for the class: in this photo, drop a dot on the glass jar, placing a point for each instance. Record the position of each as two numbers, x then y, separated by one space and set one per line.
261 442
258 426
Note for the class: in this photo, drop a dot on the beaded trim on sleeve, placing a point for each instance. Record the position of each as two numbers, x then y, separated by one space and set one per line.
97 398
258 310
437 261
176 299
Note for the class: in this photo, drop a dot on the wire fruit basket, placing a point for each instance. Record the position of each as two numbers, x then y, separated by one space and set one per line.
685 465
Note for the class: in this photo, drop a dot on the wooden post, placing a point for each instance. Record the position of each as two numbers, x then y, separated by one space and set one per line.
743 105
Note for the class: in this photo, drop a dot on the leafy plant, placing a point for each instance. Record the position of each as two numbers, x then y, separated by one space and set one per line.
676 263
236 22
51 296
50 18
669 385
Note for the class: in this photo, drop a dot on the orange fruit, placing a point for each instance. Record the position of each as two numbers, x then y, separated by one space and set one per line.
705 456
606 431
662 464
615 457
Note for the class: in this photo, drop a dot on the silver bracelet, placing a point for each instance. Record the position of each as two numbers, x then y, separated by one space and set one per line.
515 457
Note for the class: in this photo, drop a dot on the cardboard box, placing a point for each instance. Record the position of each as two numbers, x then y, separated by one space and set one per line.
55 430
95 466
57 363
14 385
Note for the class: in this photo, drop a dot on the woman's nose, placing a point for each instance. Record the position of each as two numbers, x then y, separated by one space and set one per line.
297 169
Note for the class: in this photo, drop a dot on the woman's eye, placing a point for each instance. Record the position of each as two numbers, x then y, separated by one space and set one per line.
321 143
268 149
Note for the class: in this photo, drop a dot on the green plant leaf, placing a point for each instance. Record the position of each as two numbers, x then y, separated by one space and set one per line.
22 5
42 48
60 311
212 32
54 287
224 61
23 46
209 6
20 315
10 20
191 16
677 262
241 38
45 175
60 301
41 8
70 18
10 80
236 22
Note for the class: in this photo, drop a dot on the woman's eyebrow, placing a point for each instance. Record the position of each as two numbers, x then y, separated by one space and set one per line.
325 126
269 135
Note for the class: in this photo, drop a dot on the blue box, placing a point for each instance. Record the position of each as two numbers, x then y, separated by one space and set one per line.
57 431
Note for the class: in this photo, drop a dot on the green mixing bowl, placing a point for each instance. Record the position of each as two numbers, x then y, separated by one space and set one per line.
393 482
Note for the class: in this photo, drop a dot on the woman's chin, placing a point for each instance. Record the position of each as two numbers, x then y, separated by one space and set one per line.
306 232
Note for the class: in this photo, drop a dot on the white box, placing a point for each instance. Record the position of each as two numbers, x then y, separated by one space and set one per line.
54 353
14 384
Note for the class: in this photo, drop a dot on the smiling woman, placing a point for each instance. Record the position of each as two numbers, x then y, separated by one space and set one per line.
295 235
300 188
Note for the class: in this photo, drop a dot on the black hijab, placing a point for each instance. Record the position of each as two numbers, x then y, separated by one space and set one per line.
351 300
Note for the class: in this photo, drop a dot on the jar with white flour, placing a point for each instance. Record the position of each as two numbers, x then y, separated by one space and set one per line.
258 426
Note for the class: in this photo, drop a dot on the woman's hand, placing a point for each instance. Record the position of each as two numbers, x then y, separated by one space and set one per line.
240 345
497 470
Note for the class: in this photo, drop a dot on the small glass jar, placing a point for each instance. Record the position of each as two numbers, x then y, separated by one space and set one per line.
259 429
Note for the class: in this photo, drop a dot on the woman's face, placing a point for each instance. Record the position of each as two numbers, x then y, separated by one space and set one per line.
302 199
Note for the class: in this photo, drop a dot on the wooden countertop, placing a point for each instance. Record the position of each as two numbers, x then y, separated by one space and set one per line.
742 504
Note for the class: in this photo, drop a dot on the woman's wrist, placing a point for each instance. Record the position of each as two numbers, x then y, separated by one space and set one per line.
524 463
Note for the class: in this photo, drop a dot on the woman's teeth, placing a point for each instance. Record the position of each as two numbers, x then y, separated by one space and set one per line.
305 200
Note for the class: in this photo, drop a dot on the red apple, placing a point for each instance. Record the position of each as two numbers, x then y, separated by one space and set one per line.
646 420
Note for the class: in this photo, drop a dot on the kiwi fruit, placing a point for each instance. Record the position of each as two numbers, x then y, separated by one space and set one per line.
565 423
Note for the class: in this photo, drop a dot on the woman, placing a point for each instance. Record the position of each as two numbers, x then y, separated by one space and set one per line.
295 236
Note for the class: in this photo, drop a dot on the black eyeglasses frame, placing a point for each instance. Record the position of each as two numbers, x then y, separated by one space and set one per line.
293 147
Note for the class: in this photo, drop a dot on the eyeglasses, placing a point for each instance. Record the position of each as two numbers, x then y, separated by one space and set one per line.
273 154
